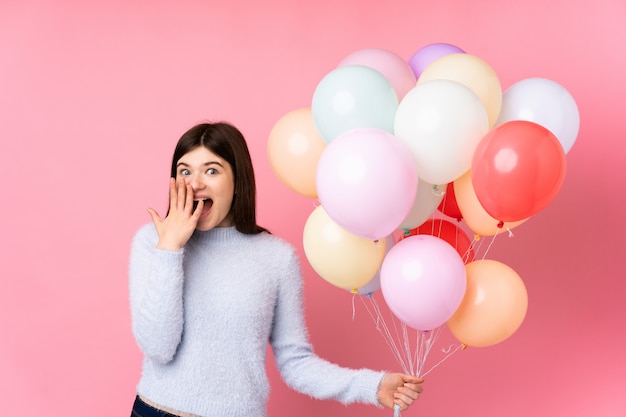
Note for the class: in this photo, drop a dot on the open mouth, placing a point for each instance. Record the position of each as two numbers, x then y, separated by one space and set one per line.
207 203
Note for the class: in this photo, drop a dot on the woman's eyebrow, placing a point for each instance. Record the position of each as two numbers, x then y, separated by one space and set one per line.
204 164
213 163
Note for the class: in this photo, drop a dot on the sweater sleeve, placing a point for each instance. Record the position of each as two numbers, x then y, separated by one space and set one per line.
298 365
156 296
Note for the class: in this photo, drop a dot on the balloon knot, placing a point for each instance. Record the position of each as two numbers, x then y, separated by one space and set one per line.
355 291
500 224
476 237
463 346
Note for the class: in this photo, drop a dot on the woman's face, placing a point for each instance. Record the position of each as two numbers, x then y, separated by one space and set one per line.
212 180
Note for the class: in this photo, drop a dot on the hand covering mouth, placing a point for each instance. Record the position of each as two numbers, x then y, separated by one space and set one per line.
207 203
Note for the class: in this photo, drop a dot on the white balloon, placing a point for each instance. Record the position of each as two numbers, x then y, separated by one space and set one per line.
427 200
441 122
546 103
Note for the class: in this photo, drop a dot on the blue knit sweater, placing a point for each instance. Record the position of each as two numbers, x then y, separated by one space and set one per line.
203 317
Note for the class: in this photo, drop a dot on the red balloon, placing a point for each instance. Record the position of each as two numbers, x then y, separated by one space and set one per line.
448 205
517 170
448 231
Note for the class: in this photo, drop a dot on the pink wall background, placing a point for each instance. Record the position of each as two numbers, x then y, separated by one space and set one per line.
93 96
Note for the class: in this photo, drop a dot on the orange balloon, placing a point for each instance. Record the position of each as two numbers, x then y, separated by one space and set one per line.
294 148
494 305
474 215
343 259
473 73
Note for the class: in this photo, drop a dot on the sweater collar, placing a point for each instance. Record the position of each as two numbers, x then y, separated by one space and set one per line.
216 235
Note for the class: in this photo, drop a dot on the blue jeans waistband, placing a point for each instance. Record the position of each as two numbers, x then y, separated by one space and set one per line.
141 409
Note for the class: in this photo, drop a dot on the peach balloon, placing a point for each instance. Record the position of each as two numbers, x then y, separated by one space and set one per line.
474 215
343 259
472 72
494 305
294 148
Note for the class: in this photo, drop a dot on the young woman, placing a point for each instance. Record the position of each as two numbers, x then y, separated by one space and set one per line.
209 288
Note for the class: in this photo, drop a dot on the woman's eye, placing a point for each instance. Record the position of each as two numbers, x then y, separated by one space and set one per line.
211 171
185 172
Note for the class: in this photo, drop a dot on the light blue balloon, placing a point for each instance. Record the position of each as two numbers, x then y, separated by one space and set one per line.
353 97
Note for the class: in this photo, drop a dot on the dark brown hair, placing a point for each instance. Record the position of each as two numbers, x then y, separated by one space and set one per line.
227 142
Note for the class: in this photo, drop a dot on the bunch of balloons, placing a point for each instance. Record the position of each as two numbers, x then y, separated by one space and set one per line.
387 143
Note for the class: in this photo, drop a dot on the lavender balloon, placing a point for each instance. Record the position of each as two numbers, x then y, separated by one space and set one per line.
427 54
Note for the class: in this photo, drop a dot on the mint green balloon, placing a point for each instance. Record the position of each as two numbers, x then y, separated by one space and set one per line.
353 97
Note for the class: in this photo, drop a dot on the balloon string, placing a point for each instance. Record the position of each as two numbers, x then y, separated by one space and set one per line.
491 242
466 254
402 359
426 341
476 244
407 348
398 340
448 349
443 360
389 334
383 329
429 342
493 239
408 366
396 410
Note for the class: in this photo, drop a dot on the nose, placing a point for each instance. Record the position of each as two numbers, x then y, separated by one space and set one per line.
196 182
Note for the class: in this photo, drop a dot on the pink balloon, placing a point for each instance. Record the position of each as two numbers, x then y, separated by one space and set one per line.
427 54
391 65
423 281
366 181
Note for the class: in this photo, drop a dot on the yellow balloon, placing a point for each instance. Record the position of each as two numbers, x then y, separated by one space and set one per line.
343 259
294 148
472 72
474 215
494 305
